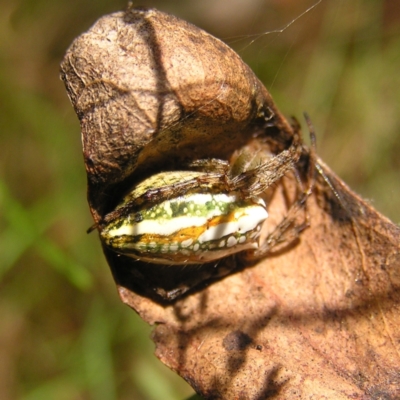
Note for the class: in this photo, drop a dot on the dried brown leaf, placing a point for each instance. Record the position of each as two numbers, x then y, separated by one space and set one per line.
147 87
318 319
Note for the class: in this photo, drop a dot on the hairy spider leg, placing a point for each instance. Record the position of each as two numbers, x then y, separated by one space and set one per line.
289 229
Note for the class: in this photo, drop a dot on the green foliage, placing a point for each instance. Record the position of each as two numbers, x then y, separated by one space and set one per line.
64 332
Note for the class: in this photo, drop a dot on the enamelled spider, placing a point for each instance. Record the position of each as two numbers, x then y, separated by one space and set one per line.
209 212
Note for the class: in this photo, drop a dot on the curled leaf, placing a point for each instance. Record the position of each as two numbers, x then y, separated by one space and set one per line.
152 91
317 319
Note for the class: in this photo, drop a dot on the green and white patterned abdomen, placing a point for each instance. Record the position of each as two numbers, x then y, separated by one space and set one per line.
189 229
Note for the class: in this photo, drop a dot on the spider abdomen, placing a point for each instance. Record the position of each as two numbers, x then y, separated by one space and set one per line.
189 229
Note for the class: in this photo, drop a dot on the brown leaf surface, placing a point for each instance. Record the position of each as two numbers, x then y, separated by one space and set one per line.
318 319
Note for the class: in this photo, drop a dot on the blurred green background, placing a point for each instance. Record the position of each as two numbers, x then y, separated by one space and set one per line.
64 333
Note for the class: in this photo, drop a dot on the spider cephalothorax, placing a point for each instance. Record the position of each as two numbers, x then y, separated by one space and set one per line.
193 217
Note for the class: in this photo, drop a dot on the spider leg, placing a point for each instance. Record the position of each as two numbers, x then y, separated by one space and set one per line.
159 194
212 165
312 160
285 233
297 218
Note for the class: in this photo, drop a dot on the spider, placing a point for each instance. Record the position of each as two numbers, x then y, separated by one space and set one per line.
208 212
